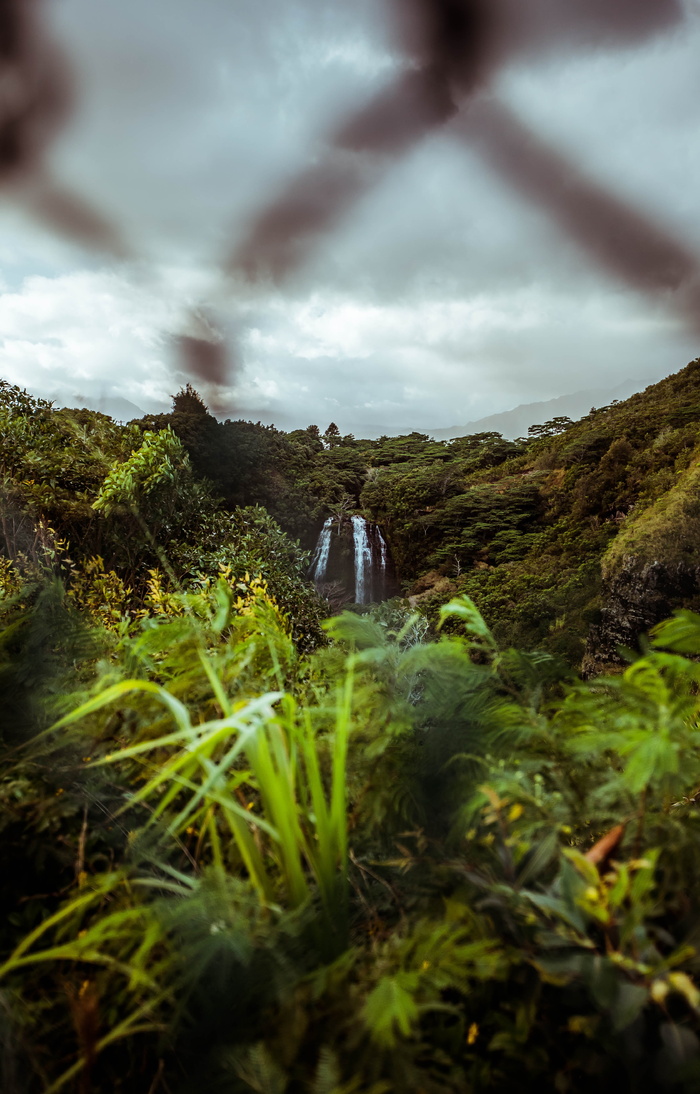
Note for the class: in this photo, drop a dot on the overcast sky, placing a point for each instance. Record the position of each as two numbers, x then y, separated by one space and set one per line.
446 289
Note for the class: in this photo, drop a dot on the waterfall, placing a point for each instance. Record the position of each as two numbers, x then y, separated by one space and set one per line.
363 561
382 561
319 563
353 566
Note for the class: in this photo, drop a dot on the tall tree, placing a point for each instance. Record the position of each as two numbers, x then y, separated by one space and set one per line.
332 436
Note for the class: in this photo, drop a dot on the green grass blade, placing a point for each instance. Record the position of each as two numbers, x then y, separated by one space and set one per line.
216 685
118 691
108 882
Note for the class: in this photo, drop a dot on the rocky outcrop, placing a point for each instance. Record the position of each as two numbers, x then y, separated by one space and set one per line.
638 596
651 568
431 587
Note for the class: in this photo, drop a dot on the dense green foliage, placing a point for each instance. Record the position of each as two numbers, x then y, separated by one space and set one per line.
121 511
390 865
402 852
522 526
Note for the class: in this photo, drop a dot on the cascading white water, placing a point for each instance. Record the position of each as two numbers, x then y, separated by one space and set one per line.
363 575
319 563
363 561
383 553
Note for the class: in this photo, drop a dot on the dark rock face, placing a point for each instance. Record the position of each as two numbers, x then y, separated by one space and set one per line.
339 578
640 595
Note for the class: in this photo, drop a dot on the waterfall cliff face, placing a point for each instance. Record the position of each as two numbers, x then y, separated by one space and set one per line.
351 563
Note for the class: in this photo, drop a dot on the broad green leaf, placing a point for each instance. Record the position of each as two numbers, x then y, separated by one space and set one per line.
462 607
391 1009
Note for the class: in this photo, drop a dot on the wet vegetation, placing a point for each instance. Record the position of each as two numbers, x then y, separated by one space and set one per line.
247 847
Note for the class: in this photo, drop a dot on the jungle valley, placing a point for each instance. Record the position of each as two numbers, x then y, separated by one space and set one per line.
334 765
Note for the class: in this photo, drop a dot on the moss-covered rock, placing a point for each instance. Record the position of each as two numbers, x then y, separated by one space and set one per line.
651 568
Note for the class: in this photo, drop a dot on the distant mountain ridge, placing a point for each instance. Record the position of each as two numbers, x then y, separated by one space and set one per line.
515 423
510 423
116 407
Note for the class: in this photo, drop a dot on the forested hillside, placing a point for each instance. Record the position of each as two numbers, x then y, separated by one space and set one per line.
524 527
410 847
575 539
540 532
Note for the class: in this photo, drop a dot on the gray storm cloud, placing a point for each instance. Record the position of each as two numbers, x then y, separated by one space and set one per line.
370 154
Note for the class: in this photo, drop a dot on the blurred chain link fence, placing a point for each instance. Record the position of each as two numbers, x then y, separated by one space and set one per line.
450 51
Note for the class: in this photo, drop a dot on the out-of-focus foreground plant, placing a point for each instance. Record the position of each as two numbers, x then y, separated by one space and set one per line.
392 865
